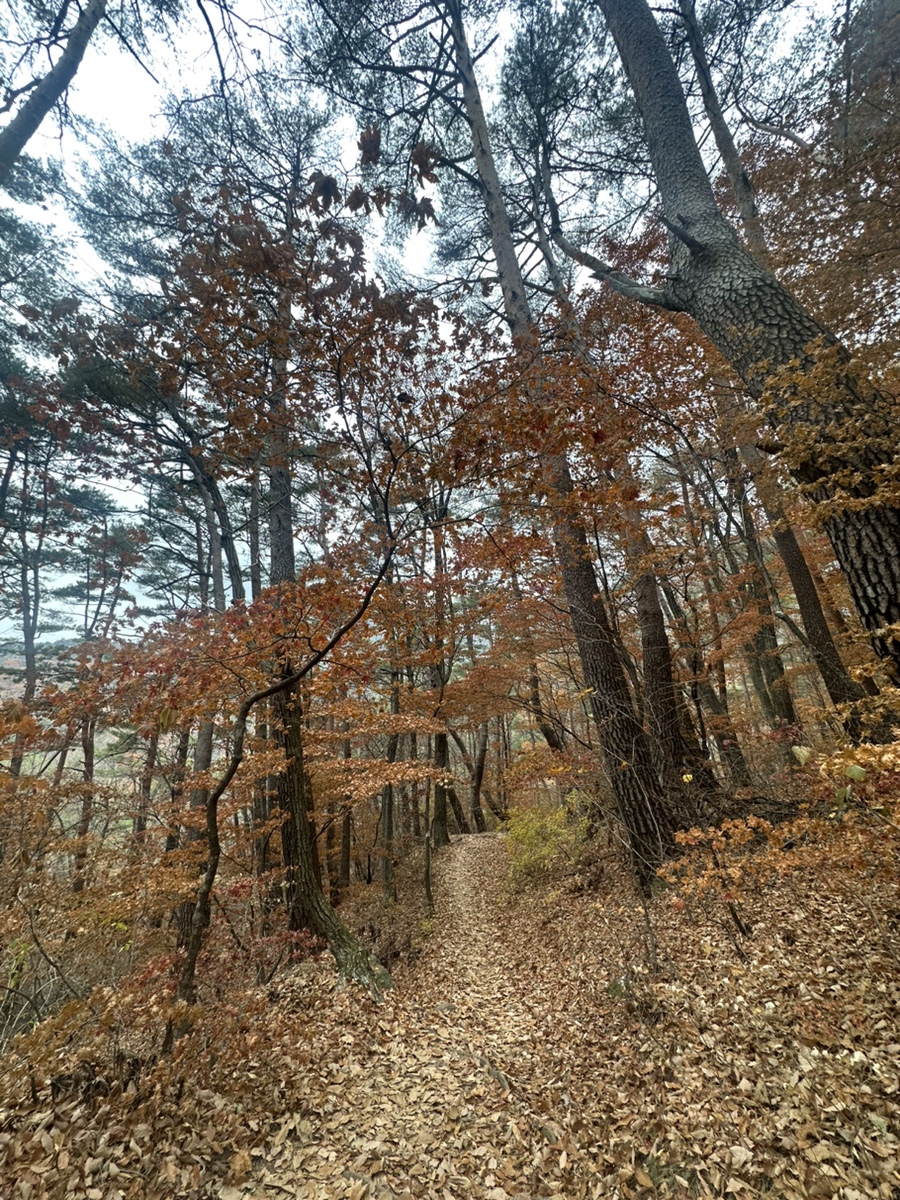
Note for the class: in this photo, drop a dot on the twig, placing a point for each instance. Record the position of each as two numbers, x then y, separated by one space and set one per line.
70 987
885 936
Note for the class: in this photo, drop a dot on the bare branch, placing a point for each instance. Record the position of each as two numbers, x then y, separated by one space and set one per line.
777 131
600 270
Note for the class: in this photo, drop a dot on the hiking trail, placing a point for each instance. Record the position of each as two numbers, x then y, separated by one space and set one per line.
458 1088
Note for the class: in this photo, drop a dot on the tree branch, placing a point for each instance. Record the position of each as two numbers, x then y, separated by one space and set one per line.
620 282
201 914
777 131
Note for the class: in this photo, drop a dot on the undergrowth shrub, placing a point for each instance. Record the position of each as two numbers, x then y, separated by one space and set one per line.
543 843
847 826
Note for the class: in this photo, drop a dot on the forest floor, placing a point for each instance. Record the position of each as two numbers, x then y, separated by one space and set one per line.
531 1051
551 1042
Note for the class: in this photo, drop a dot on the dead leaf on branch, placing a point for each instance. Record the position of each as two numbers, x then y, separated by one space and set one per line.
369 146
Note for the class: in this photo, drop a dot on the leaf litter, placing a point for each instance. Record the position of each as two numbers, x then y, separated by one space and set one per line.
540 1045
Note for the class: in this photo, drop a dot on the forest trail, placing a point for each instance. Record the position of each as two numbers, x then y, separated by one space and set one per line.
460 1088
527 1051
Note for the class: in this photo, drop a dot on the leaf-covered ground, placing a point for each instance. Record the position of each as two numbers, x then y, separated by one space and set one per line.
530 1051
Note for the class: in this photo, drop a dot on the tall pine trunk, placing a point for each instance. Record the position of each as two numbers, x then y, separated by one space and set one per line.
308 908
838 430
15 136
642 805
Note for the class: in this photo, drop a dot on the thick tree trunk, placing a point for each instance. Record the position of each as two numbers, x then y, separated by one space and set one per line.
841 688
642 805
838 431
459 816
308 907
682 763
49 90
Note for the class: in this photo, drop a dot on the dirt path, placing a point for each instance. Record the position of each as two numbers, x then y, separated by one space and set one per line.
456 1086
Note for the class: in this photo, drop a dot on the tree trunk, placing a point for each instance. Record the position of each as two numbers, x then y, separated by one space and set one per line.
677 753
837 429
641 802
88 748
680 760
30 581
535 705
842 688
49 91
253 534
179 770
715 703
346 824
262 805
762 592
440 834
477 775
415 814
741 188
307 906
140 820
462 825
197 802
387 829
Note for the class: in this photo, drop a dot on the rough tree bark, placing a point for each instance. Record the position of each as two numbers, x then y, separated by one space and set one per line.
677 752
837 428
642 804
841 688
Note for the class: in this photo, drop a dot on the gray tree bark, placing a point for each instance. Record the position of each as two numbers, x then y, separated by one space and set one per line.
640 799
841 688
838 429
15 136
